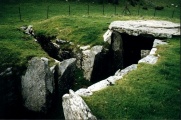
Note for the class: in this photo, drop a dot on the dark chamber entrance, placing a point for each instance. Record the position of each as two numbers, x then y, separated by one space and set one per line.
132 46
126 49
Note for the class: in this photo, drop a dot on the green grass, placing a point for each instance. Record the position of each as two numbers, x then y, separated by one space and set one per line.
150 92
138 95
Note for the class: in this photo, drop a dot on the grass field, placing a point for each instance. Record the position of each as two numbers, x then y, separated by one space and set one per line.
152 92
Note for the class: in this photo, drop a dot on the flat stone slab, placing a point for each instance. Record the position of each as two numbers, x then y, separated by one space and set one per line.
152 27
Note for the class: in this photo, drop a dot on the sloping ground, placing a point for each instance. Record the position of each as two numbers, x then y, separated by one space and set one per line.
150 92
17 48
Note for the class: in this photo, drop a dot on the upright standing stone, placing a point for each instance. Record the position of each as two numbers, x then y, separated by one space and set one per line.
37 86
88 60
65 73
117 51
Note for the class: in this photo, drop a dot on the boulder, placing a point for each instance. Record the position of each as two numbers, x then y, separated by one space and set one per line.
158 42
99 85
150 59
126 70
38 85
65 75
75 108
28 30
162 29
153 51
83 92
104 83
88 57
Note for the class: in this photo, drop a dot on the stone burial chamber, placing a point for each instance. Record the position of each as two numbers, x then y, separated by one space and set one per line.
41 89
132 40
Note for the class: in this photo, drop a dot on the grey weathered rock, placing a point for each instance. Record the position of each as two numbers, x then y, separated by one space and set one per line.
150 59
65 74
84 47
99 85
126 70
153 51
7 72
37 85
113 79
117 51
71 43
107 36
78 56
28 30
144 53
45 60
158 42
56 45
60 41
106 82
151 27
75 108
62 66
83 92
88 60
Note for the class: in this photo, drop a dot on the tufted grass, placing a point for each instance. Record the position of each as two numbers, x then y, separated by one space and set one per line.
150 92
16 49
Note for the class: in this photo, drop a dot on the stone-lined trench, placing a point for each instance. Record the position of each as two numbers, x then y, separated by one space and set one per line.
123 51
106 63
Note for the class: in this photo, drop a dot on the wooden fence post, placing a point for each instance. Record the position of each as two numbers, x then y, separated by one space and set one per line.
88 9
19 13
154 12
47 11
115 9
139 9
69 9
173 13
103 8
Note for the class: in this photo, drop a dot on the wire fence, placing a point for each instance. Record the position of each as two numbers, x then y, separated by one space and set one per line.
25 12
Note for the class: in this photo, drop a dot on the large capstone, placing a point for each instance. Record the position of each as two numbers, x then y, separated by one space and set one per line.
38 85
161 29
